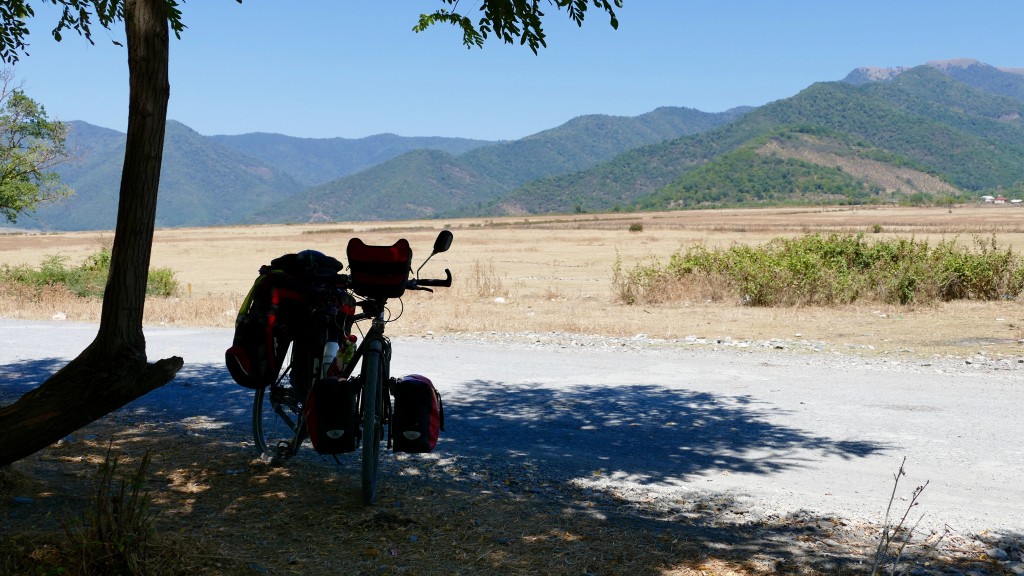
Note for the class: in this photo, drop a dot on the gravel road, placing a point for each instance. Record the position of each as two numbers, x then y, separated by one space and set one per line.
769 427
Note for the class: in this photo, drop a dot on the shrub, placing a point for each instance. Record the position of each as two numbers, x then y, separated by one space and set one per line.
486 281
827 270
636 227
88 279
161 282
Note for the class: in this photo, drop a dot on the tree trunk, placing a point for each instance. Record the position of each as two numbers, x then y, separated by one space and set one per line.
113 371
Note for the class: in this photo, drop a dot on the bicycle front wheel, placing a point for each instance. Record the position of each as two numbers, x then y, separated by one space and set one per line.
373 386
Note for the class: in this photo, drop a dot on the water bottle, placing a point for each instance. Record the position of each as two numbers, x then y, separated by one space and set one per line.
330 353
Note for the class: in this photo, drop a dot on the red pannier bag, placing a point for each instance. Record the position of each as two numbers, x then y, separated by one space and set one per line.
418 415
332 415
265 325
273 314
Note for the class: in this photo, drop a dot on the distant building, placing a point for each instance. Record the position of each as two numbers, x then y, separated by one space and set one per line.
999 200
988 199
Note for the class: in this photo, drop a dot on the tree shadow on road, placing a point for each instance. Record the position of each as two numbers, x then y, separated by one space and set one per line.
646 433
477 505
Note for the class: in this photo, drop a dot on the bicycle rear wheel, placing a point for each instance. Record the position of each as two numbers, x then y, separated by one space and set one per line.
373 427
278 422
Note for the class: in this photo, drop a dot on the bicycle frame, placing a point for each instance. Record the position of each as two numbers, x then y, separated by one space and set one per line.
374 358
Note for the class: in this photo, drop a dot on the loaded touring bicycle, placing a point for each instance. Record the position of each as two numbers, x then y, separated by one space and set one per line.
314 379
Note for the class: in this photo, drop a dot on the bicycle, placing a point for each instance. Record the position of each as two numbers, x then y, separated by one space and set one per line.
378 273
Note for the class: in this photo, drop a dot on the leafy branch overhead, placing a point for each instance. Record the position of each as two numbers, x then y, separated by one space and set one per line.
78 16
510 20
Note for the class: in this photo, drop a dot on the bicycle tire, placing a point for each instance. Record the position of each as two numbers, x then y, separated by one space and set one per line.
278 423
373 376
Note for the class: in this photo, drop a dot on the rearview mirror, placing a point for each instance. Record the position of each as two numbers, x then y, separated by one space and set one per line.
443 242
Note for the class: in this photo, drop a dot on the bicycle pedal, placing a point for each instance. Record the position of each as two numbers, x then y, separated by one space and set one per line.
281 453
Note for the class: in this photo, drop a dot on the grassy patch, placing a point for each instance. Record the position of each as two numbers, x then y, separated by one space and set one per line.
87 279
826 270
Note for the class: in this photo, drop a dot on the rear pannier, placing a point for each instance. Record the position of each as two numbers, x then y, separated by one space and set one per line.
273 314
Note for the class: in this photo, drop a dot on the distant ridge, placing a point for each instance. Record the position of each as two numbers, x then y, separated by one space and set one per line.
952 66
946 131
967 63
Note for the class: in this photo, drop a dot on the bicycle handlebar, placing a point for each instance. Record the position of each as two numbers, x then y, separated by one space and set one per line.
417 282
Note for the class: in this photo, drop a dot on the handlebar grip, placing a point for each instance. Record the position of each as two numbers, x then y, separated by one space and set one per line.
447 282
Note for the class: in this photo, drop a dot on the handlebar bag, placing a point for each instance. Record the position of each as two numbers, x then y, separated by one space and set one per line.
379 271
418 416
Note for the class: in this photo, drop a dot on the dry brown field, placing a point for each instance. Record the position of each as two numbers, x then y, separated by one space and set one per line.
553 274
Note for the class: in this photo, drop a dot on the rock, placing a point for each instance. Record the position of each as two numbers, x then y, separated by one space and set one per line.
996 553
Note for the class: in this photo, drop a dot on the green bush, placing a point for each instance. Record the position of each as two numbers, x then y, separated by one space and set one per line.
828 270
161 282
88 279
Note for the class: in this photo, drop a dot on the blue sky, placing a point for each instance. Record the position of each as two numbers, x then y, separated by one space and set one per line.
337 68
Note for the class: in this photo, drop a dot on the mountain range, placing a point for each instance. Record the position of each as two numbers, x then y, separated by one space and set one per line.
939 132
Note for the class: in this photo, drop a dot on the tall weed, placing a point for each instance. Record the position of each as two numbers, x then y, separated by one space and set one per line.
486 281
115 535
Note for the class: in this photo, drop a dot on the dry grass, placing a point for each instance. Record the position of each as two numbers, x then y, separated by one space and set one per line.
309 519
554 274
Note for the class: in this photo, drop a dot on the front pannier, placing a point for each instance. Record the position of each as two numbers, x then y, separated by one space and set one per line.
332 415
418 416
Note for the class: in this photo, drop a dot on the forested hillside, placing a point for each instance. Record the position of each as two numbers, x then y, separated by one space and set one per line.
949 139
201 184
419 185
314 161
264 177
946 131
